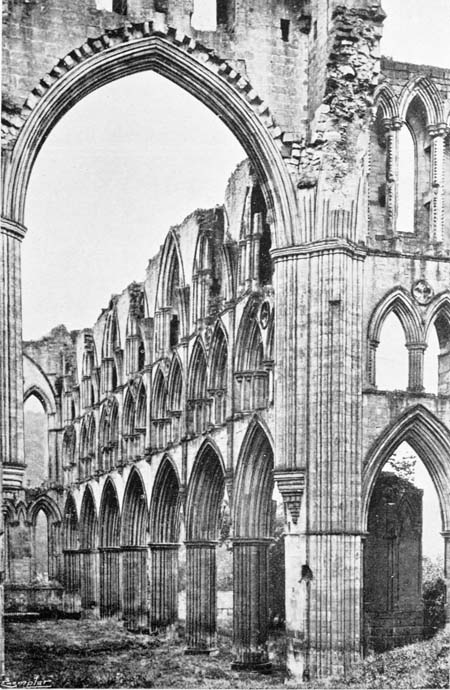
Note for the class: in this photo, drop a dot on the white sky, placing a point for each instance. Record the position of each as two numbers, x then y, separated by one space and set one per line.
134 158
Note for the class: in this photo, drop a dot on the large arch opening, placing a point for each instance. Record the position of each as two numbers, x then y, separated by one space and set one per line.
406 510
89 553
71 557
203 520
134 554
164 527
109 522
253 520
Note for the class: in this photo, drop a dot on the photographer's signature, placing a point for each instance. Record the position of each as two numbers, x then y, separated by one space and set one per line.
35 682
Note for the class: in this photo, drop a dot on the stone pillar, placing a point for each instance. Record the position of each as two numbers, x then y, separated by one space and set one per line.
201 599
251 603
318 306
437 133
446 535
134 587
372 363
391 128
90 581
163 586
109 581
291 486
72 580
11 367
416 352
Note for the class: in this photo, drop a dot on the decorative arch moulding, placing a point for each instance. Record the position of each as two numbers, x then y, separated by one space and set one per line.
198 70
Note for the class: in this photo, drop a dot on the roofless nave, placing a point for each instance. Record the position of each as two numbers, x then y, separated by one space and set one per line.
247 358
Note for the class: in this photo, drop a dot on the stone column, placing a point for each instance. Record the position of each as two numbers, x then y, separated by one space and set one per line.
109 581
416 352
437 133
318 403
251 603
391 128
90 581
11 366
291 486
446 535
134 587
163 586
201 598
72 580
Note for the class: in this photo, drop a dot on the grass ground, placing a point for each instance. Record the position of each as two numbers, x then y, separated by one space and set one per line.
101 654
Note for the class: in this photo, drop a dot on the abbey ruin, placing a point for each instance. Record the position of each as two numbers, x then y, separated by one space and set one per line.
243 367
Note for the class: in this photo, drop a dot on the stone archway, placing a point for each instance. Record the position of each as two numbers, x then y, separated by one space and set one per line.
204 500
430 439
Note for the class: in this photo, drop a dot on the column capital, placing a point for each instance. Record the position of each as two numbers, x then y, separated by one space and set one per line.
13 229
392 124
438 129
291 484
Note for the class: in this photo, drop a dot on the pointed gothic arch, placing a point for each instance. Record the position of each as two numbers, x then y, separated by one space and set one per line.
252 522
71 556
164 530
89 552
429 438
109 527
422 87
199 403
199 71
218 372
205 493
386 100
175 396
134 552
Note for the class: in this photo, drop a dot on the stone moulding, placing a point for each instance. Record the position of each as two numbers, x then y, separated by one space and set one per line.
177 57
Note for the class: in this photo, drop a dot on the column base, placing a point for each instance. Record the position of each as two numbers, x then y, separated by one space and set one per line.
260 666
196 651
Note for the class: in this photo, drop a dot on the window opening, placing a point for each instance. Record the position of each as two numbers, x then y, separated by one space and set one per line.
406 180
284 26
392 356
204 16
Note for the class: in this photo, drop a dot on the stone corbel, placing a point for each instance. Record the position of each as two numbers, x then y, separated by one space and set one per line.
291 484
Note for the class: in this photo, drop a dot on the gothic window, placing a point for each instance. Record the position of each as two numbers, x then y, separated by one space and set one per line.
392 356
414 171
41 544
36 442
218 381
199 403
68 453
437 355
159 411
141 408
406 180
261 227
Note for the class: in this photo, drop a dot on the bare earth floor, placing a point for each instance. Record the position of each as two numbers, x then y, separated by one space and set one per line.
75 654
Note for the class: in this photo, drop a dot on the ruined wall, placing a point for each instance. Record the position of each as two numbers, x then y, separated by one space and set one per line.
36 35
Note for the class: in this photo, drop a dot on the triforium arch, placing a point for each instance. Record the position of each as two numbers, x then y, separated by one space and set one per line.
134 553
89 552
164 531
109 548
399 302
252 523
205 494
